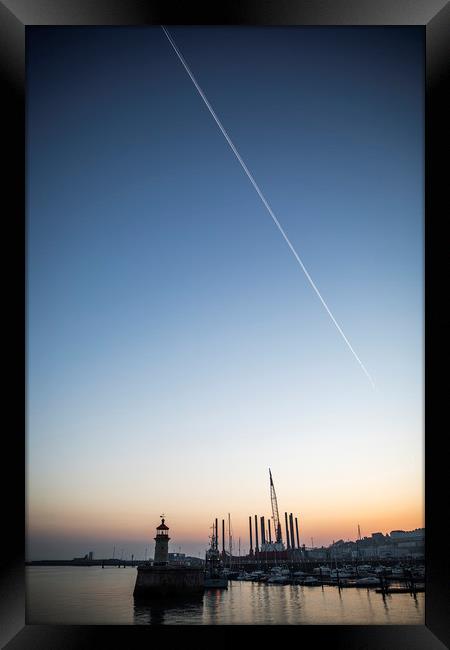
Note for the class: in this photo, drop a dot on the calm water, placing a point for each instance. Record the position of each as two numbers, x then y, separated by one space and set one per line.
92 595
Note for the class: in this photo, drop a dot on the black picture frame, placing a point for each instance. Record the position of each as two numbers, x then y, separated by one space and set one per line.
433 15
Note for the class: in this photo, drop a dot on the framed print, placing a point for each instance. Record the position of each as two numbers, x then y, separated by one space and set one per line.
232 264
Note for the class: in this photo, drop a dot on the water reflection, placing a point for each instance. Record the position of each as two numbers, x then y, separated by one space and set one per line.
370 605
90 596
172 611
260 604
385 602
213 601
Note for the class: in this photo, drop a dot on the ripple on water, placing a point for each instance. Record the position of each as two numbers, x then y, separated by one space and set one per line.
92 595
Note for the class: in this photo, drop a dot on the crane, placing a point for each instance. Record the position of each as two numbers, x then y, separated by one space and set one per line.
275 515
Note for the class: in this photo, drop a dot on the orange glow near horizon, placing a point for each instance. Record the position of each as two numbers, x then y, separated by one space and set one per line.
323 523
121 497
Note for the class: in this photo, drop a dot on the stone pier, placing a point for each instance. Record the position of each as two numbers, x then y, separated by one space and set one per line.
168 581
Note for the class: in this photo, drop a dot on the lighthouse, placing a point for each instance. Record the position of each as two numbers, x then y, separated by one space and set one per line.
163 580
161 544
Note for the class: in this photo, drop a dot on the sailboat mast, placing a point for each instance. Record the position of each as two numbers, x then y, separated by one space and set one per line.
229 537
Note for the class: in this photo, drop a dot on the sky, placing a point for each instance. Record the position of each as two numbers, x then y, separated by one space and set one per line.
175 348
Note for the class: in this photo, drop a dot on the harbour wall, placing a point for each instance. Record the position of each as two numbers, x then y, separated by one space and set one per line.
165 581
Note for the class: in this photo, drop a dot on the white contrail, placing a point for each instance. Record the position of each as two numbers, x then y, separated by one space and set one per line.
261 196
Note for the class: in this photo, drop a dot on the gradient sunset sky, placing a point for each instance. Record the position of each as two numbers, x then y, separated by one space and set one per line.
175 349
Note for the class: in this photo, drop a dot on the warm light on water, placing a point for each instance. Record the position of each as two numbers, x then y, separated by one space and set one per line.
92 595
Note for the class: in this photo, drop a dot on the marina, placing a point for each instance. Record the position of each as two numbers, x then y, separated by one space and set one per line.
282 560
412 580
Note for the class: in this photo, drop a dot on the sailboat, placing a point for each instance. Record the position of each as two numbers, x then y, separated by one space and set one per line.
214 576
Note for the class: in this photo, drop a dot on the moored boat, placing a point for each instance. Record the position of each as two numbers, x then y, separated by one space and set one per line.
214 577
278 580
368 581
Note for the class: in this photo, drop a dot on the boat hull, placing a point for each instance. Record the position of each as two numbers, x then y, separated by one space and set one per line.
216 583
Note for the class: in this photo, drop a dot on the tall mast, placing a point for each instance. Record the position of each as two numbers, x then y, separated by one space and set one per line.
275 515
229 537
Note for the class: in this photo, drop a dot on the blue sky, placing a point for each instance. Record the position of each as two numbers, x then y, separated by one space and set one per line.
172 337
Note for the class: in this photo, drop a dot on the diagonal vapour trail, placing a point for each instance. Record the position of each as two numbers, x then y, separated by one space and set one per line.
261 196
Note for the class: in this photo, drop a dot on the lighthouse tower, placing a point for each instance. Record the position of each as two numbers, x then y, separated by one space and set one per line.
162 543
